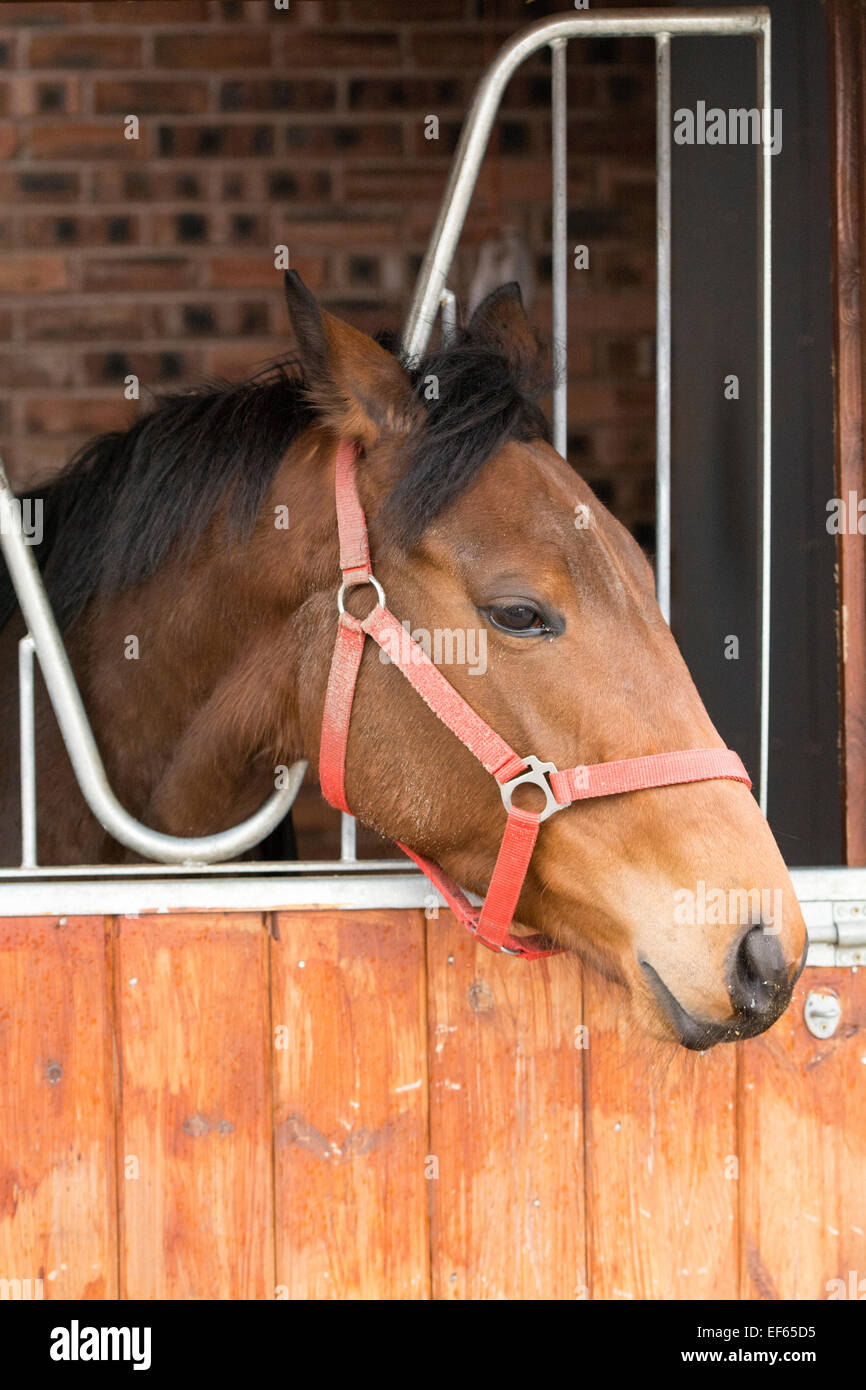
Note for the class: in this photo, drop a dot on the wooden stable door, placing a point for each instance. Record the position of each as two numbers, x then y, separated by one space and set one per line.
368 1105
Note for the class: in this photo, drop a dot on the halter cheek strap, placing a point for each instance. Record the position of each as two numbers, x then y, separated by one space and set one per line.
491 923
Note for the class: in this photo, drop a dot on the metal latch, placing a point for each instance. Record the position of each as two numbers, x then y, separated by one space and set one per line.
822 1012
837 932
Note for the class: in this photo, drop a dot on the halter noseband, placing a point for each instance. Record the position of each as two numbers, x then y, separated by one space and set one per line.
491 923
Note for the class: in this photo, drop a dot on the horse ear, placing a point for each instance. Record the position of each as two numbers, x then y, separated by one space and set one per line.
356 387
501 321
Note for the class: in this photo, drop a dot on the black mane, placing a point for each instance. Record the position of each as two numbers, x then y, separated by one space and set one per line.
114 513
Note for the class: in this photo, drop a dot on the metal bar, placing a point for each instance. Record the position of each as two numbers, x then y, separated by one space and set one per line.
559 112
765 106
663 324
27 752
78 736
476 130
448 304
61 897
297 868
321 886
348 838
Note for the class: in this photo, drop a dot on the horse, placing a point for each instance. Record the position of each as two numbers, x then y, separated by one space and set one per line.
207 533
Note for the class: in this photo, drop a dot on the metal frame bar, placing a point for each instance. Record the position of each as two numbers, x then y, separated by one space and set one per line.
765 401
559 228
78 735
663 324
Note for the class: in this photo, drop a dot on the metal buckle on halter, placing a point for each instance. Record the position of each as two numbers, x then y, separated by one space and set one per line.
538 778
358 584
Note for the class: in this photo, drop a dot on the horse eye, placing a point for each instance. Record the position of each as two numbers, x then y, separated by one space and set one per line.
521 618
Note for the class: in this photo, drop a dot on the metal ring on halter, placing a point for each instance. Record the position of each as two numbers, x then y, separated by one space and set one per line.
358 584
537 778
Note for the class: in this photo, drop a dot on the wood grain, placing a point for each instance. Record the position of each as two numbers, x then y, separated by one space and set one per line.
847 42
57 1200
350 1105
195 1172
505 1122
803 1126
661 1161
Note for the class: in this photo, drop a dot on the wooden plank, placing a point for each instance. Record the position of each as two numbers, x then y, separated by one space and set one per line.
57 1200
847 42
803 1124
505 1122
350 1105
194 1131
660 1161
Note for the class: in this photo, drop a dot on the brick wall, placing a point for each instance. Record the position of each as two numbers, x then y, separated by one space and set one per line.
258 126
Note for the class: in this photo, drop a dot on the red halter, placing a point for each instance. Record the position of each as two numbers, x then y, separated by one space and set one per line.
491 923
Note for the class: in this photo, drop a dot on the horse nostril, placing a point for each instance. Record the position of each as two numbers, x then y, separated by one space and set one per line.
759 977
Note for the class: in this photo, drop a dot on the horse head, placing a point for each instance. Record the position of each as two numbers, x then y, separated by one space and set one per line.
539 607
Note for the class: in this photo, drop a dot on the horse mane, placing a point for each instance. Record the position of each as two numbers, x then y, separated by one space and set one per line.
128 497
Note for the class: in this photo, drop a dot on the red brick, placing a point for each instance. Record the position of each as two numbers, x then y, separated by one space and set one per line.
532 89
142 274
313 15
85 51
213 51
619 444
449 133
68 141
167 228
36 96
337 230
427 94
5 324
349 138
142 98
146 12
69 230
40 12
76 415
32 274
278 94
255 272
208 317
130 186
28 369
591 401
361 49
628 268
30 463
8 141
73 323
627 312
413 183
464 47
217 140
393 11
310 185
39 185
165 368
242 360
